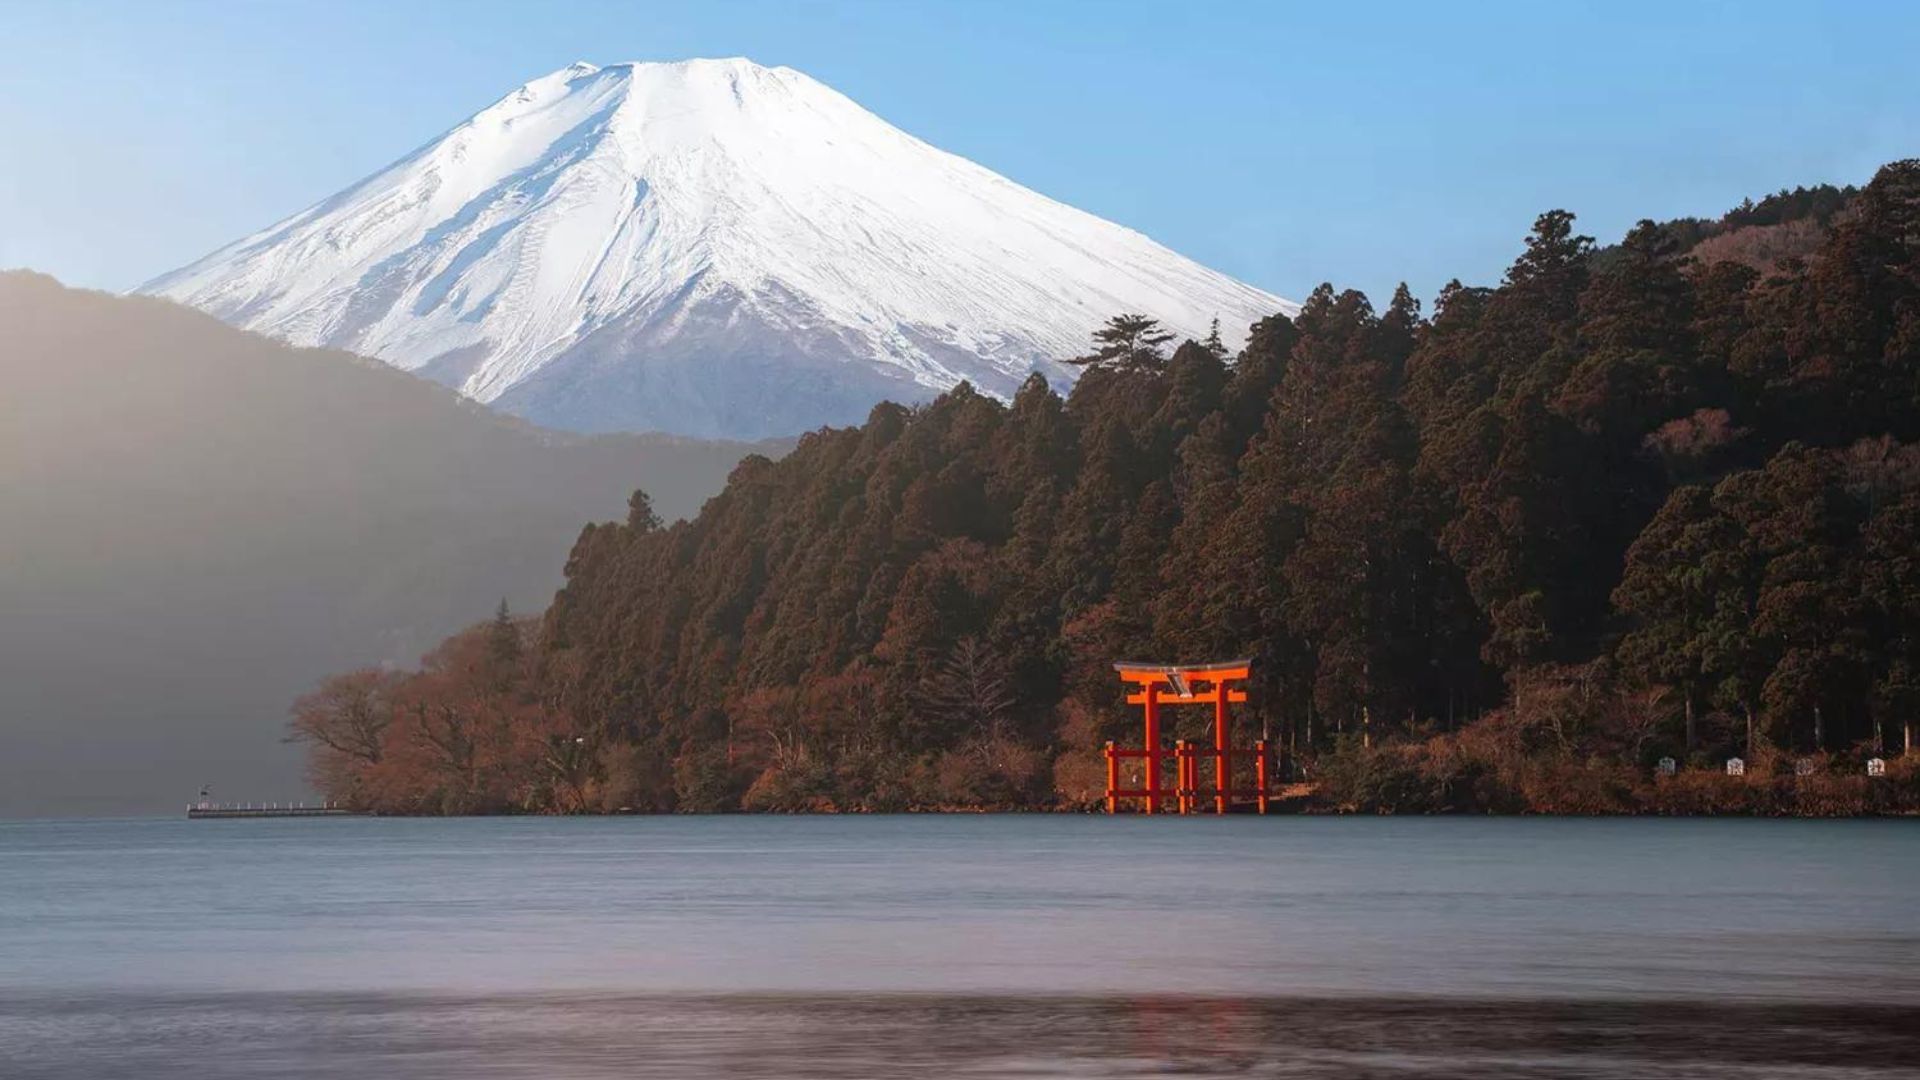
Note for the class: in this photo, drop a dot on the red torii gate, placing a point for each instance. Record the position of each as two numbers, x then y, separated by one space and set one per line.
1172 684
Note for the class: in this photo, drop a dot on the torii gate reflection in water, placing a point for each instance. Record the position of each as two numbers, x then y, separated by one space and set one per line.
1173 684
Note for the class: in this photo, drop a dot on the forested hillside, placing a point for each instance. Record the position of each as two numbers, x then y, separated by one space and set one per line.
1641 501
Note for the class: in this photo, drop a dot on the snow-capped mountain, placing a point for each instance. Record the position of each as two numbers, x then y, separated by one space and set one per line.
708 247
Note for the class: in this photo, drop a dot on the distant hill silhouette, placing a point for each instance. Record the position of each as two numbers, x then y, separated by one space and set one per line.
196 523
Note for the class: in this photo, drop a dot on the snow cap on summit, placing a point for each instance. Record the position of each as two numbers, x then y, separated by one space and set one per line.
704 246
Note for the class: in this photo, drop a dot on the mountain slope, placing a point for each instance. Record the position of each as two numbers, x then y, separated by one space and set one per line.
196 523
708 247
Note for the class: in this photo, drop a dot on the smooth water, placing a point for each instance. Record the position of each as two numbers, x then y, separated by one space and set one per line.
976 946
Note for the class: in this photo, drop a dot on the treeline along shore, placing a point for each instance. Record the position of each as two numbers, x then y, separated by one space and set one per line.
1653 500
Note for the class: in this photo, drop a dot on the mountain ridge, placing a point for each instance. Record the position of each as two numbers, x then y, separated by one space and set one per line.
709 247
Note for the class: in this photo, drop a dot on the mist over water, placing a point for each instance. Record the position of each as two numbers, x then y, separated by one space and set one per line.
1019 945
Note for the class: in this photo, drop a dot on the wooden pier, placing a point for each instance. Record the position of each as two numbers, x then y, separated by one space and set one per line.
205 811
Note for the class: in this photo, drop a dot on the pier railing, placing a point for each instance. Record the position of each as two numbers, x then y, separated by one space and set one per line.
205 809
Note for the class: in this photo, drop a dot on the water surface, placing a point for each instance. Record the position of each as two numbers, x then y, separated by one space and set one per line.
1016 945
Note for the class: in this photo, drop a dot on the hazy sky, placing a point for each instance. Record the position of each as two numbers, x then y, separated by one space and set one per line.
1284 143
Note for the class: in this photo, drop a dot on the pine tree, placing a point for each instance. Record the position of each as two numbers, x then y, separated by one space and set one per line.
1692 598
640 515
503 638
1127 342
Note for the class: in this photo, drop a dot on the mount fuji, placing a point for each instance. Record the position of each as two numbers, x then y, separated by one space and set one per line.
709 248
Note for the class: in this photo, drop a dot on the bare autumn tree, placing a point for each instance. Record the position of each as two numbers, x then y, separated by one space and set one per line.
970 690
345 720
469 728
569 762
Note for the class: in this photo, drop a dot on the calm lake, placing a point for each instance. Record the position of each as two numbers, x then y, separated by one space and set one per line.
959 946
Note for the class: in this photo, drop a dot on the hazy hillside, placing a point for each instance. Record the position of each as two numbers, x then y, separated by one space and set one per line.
195 523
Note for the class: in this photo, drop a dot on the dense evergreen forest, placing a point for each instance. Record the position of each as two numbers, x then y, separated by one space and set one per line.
1655 499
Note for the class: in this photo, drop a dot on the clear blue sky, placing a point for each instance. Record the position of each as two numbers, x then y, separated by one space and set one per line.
1284 143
